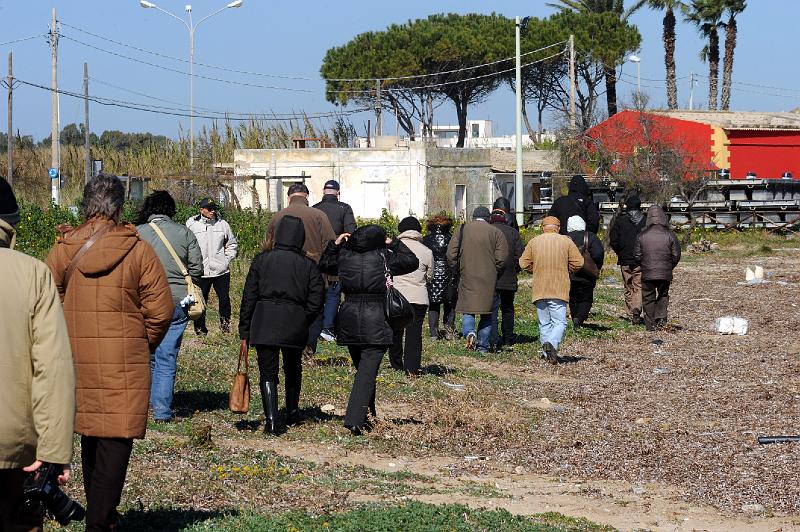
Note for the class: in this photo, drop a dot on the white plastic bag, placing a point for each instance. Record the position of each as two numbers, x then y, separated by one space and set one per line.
731 325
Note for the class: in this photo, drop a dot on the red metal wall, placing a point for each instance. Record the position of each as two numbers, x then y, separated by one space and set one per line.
767 153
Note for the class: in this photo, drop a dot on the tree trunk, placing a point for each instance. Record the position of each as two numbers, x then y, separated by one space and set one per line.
669 59
727 65
713 68
531 132
461 112
611 89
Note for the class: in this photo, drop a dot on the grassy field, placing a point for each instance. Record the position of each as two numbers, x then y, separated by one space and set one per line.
488 442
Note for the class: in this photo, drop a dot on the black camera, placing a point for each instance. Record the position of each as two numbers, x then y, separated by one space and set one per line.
41 488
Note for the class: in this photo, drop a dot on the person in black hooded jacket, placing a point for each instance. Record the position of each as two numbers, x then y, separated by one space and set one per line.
437 240
283 295
504 205
360 260
578 202
581 285
623 237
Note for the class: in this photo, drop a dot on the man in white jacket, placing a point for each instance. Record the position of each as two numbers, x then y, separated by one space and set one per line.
218 246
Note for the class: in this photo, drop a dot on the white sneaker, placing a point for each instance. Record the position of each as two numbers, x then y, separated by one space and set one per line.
327 335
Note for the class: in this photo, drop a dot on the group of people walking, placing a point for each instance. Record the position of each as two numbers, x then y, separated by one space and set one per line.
128 293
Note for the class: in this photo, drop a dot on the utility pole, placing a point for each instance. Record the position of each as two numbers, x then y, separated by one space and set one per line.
691 91
10 148
572 121
55 182
86 143
378 124
519 200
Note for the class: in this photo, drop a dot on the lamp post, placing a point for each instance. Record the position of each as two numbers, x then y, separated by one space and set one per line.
638 60
191 27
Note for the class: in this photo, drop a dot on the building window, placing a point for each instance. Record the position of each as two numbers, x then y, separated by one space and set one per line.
376 198
460 201
476 131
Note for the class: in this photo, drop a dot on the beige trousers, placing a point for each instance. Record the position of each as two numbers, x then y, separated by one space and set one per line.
632 279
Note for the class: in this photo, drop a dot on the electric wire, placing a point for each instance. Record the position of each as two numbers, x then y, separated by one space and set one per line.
23 39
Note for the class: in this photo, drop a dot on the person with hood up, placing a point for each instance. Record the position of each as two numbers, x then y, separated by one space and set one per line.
581 285
623 237
118 307
414 287
479 252
551 258
657 252
436 240
502 204
506 287
577 202
283 294
37 382
361 260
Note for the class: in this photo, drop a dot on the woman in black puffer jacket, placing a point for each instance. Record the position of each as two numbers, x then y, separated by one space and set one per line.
361 325
437 240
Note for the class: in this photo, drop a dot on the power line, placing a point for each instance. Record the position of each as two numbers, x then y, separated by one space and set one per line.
169 69
23 39
166 111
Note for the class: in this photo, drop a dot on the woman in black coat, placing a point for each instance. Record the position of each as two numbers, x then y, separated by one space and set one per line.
360 261
437 240
581 286
283 294
577 202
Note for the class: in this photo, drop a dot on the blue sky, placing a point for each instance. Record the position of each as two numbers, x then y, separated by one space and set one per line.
290 38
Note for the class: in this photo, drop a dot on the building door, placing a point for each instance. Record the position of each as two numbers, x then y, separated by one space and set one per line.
460 203
376 198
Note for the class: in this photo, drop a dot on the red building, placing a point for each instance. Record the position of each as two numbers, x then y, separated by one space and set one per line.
767 144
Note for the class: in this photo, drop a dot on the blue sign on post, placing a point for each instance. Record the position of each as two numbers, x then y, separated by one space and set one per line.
53 173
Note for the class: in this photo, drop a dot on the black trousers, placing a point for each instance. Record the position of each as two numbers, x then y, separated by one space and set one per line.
268 364
367 360
409 357
222 286
581 296
105 464
504 302
12 519
449 319
655 300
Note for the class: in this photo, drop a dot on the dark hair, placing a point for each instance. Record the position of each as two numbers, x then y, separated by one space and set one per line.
297 188
159 202
103 196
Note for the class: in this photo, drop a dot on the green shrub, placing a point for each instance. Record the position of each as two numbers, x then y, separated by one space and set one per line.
36 231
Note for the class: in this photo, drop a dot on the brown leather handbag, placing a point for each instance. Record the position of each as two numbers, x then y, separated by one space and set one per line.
589 269
239 398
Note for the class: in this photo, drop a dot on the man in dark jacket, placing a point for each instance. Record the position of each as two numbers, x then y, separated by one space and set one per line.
578 202
342 221
506 287
657 252
624 233
282 296
502 204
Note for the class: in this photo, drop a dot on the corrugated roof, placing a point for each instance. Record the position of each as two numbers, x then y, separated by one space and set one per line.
738 119
504 161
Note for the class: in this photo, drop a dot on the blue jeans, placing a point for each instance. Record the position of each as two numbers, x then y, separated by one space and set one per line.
164 363
331 305
552 314
484 329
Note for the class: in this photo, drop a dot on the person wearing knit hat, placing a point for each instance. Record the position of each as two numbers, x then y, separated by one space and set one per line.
551 258
477 253
37 384
414 286
624 232
506 288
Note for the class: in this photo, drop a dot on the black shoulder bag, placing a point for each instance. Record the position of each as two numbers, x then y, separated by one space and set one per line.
398 311
451 294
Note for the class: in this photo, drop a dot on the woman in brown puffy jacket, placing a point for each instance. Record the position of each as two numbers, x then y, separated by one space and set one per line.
118 306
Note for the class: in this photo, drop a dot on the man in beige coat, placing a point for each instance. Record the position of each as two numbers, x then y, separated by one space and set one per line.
37 380
551 258
478 252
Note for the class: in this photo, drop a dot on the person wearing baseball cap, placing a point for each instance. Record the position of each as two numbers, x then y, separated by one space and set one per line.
218 246
342 220
551 258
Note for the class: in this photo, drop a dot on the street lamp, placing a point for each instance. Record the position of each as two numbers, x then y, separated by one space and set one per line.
638 60
191 27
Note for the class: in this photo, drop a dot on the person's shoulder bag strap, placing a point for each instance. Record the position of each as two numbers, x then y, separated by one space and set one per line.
171 250
85 249
585 240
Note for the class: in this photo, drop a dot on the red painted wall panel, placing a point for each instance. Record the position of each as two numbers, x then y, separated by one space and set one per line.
767 153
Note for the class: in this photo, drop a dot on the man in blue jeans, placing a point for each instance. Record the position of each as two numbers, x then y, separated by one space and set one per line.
158 208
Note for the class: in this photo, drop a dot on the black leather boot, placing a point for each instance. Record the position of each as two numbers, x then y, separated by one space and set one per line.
269 399
293 416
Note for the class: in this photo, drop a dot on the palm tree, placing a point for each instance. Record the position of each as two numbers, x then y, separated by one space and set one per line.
733 8
707 16
604 6
669 7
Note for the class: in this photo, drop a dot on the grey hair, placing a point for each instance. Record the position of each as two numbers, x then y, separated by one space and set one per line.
103 196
